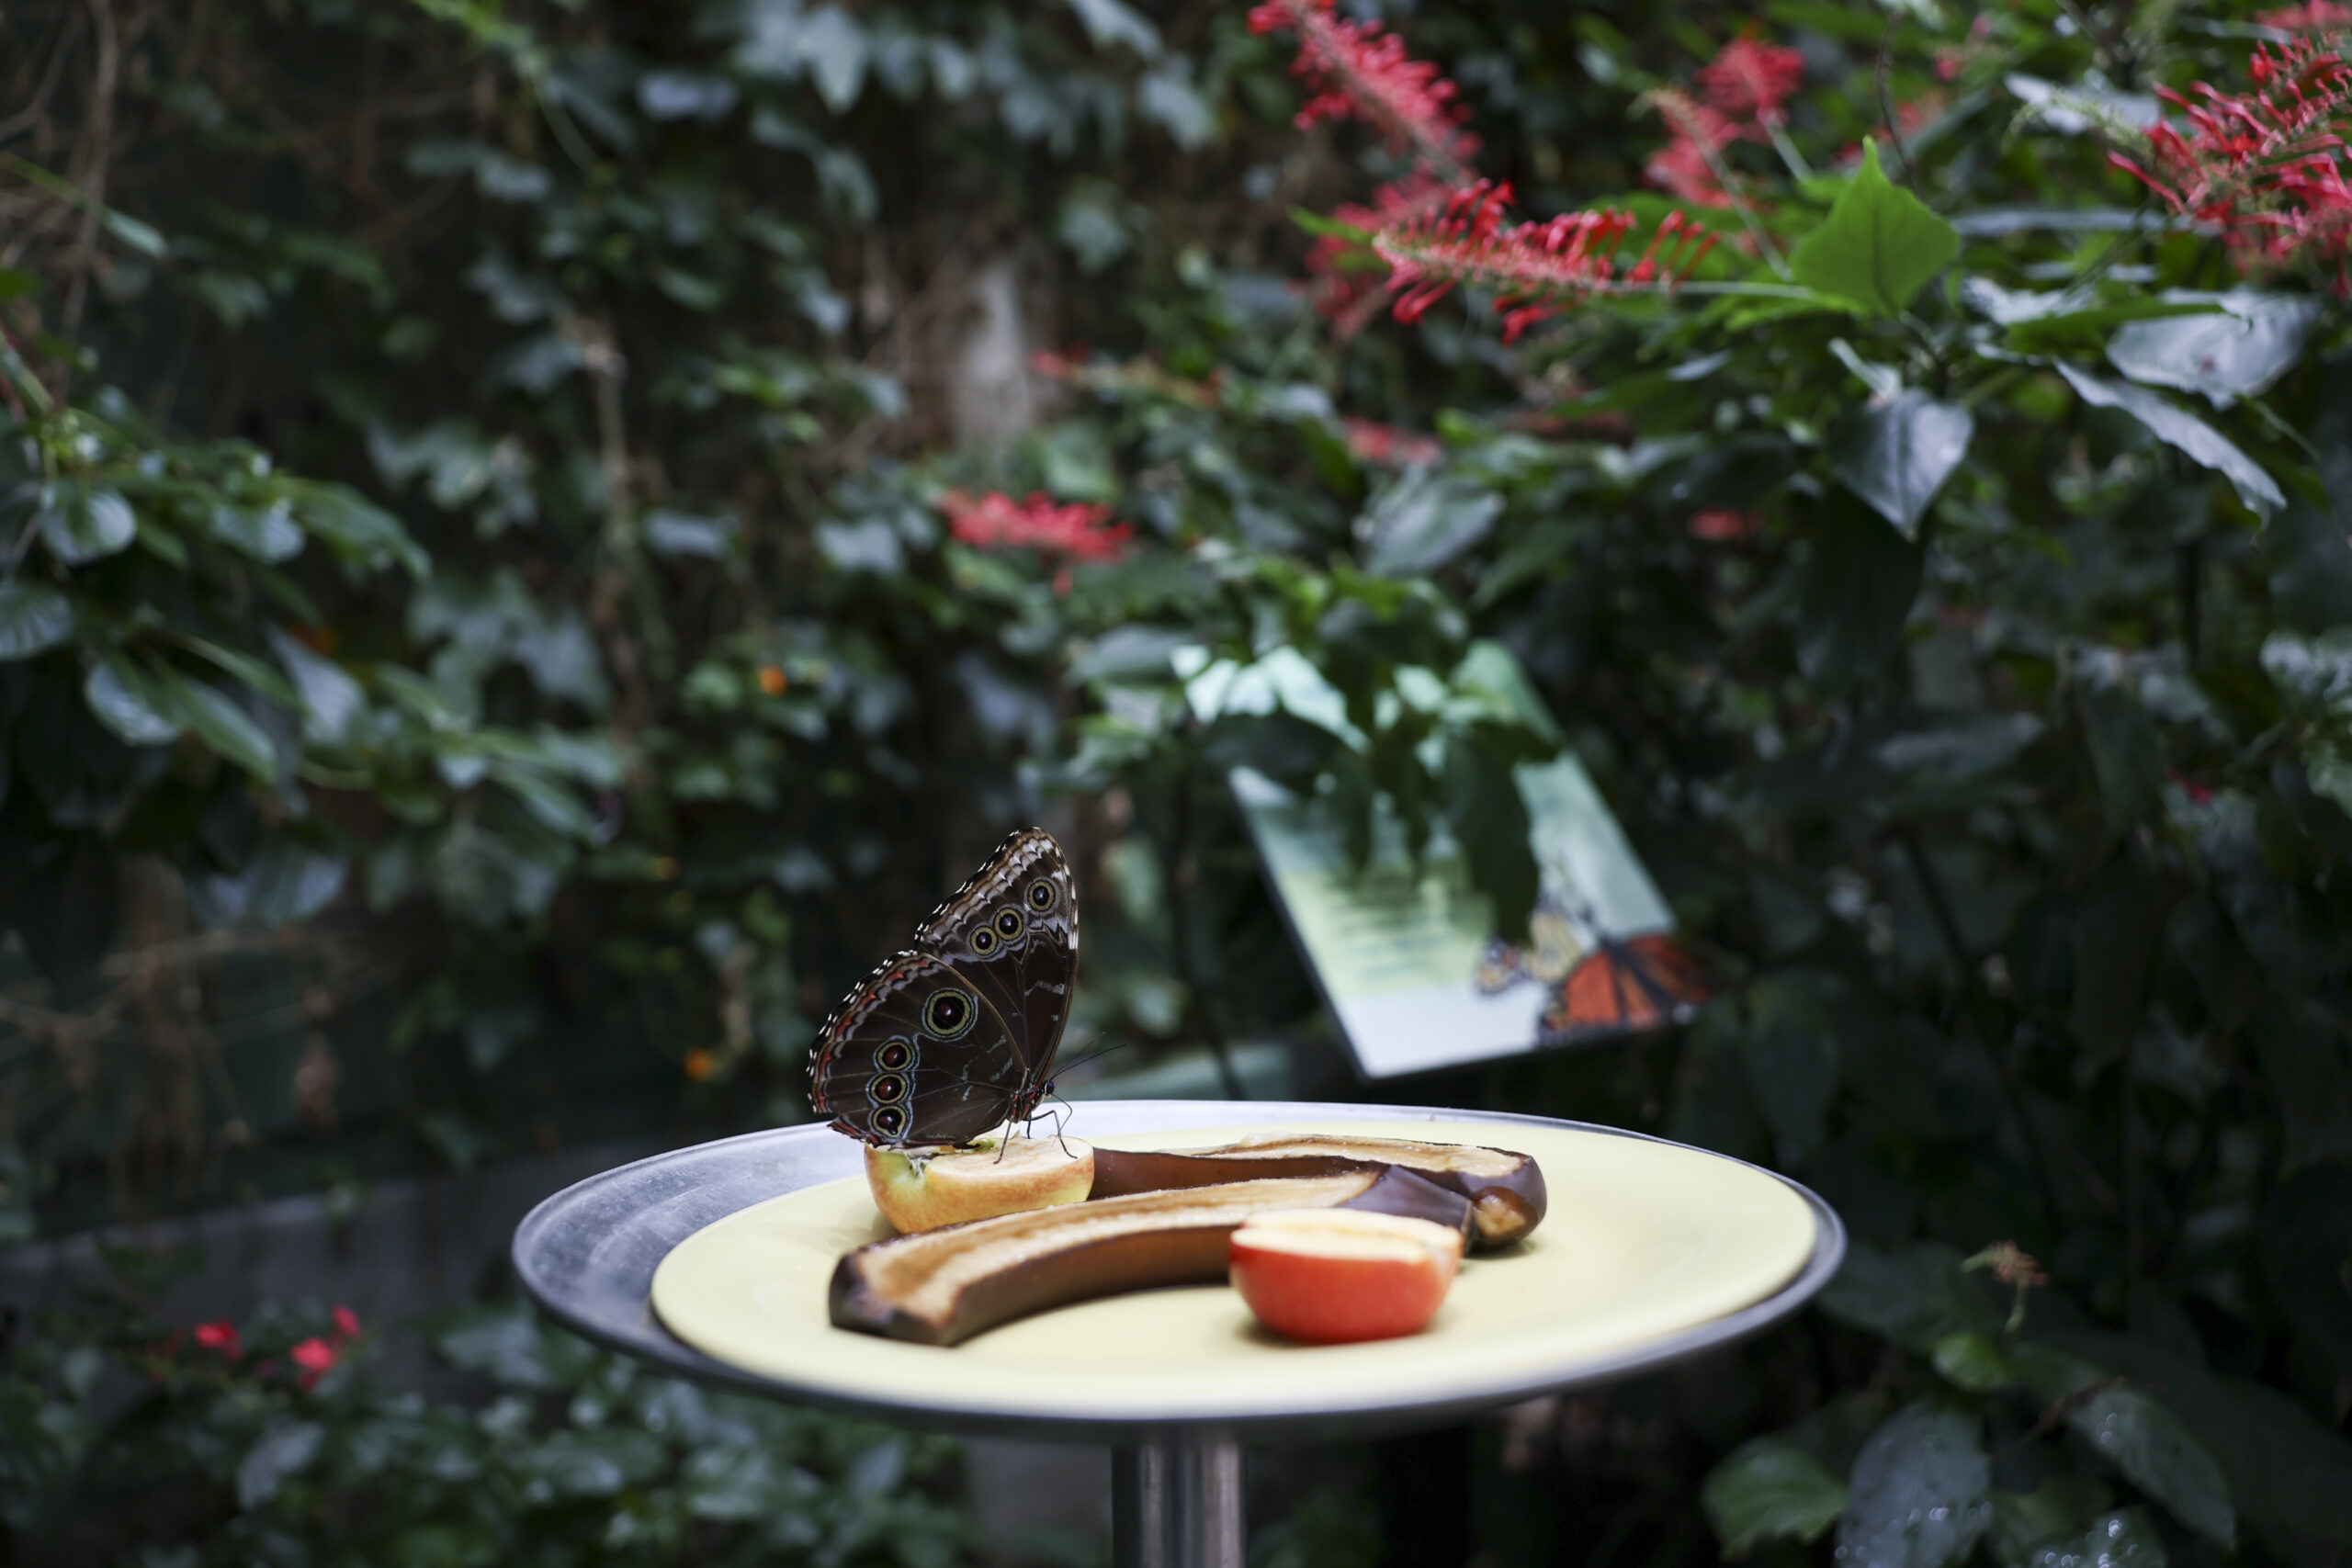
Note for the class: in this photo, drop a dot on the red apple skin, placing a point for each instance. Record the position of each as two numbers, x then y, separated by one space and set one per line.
1323 1299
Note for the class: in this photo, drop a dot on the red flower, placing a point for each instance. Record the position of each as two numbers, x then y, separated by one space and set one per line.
1687 167
2263 167
1076 532
220 1337
1386 445
1751 81
1356 68
316 1357
2319 16
1535 269
1343 276
346 1322
1722 524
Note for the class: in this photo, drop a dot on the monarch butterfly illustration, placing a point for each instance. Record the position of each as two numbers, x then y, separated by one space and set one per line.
1623 987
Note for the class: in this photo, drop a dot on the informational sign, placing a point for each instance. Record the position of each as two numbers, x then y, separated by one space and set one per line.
1406 955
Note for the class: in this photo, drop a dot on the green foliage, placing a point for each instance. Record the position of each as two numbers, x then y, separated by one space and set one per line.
1947 587
564 1454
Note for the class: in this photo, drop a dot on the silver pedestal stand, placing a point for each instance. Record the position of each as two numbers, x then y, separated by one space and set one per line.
587 1255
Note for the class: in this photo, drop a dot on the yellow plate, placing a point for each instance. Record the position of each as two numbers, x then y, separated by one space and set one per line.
1644 1240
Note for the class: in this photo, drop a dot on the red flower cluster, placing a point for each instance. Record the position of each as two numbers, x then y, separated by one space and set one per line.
1747 86
1358 68
1072 533
1752 81
1388 445
1533 269
1344 276
1725 526
2265 167
1685 167
2318 16
312 1358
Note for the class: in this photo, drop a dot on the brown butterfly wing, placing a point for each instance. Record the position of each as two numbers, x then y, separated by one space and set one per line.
915 1055
1012 931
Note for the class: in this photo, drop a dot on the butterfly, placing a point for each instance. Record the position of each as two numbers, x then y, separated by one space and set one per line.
955 1034
1623 987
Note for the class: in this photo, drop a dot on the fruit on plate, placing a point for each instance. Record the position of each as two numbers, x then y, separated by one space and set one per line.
921 1190
1335 1276
1505 1189
937 1287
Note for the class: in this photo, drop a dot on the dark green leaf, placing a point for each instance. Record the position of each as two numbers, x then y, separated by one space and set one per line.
1915 1296
285 1448
2063 1507
1790 1055
216 719
1972 1361
1854 594
1879 246
2127 753
1421 522
131 701
1770 1490
266 533
2183 431
34 617
2123 1539
2310 577
1489 818
1898 455
82 522
1916 1498
2117 930
77 894
2157 1454
2285 1470
2306 1232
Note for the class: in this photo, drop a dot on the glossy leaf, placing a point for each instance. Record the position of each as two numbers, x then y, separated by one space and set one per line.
1970 1359
2247 341
2160 1456
214 717
131 701
84 522
1916 1498
34 618
1897 454
1770 1490
2177 428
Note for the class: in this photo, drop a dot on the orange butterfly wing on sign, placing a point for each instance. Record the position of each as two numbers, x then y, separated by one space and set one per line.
1621 987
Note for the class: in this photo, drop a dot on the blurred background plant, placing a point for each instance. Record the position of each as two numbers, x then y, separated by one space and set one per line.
512 593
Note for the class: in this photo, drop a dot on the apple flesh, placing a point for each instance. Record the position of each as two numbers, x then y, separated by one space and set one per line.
1335 1276
922 1188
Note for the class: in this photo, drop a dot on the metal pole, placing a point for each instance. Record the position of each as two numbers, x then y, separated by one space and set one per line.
1176 1502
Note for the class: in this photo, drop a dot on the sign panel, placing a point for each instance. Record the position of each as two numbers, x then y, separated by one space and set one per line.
1407 957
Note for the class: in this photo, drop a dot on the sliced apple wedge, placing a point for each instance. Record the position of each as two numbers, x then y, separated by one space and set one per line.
921 1190
1338 1276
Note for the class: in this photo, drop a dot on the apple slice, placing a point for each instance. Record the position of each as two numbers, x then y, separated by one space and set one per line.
922 1188
1335 1276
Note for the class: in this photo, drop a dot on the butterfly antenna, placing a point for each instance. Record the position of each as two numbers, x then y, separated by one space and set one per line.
1095 1056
